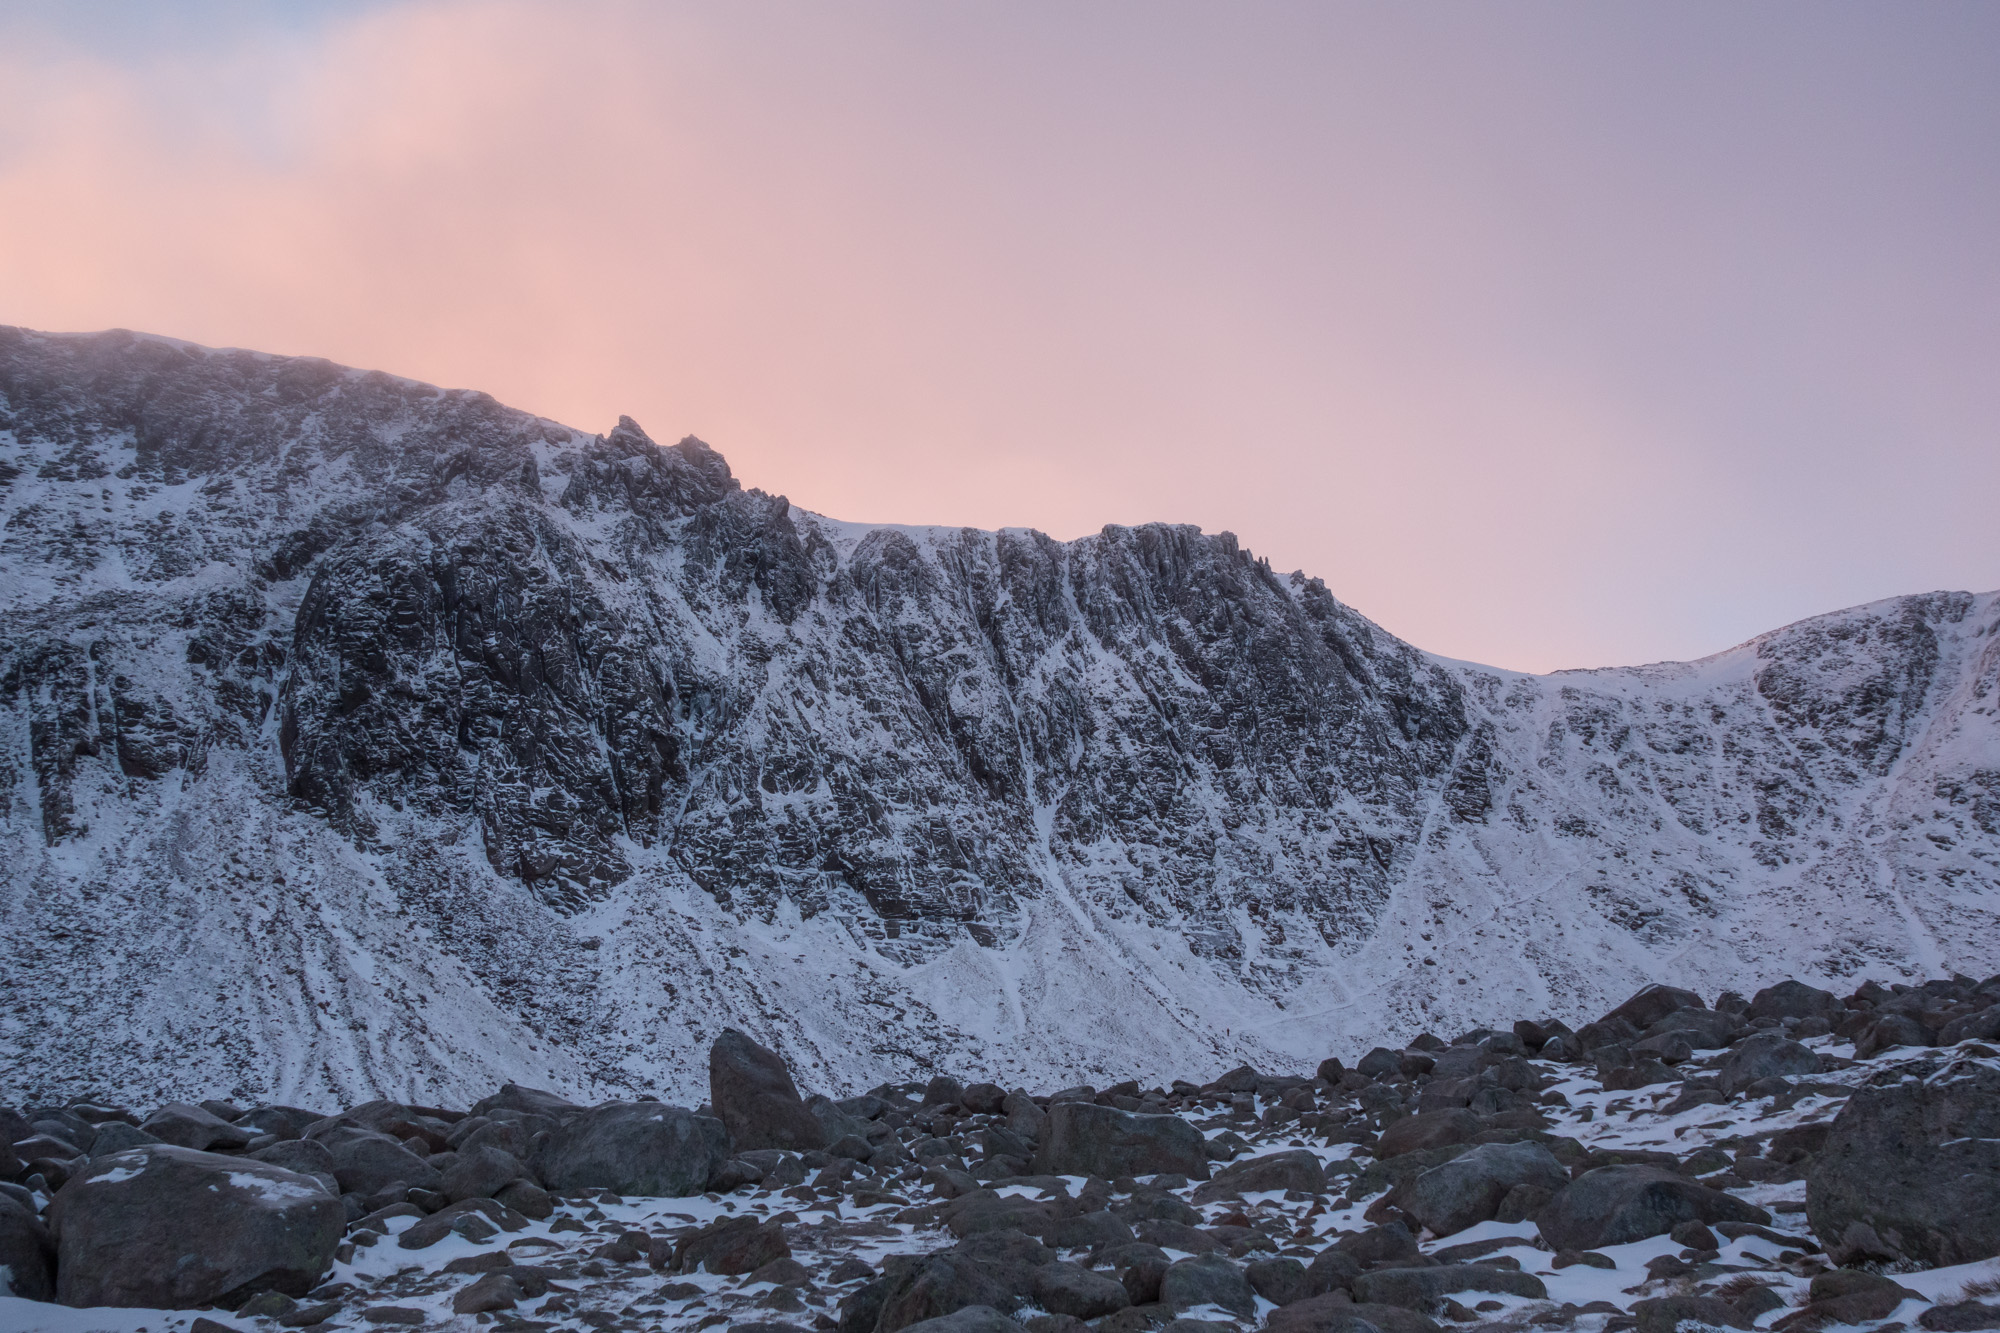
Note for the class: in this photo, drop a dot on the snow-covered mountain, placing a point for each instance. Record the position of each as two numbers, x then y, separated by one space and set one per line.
362 737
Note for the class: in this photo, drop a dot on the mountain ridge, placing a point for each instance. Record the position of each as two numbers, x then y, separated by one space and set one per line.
402 742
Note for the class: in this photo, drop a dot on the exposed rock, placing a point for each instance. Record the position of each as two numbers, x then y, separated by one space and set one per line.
174 1227
1208 1279
366 1162
193 1127
730 1246
1087 1140
1912 1170
1296 1170
1764 1055
634 1148
1422 1288
27 1255
1612 1205
1428 1129
1469 1189
753 1095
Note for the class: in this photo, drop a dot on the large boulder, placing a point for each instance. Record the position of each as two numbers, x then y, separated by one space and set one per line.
1208 1279
643 1148
1428 1129
753 1095
1764 1055
1651 1004
365 1161
1795 999
176 1228
1467 1190
27 1254
1423 1288
1616 1204
192 1127
1334 1313
968 1319
529 1101
730 1246
1296 1169
1912 1171
1083 1139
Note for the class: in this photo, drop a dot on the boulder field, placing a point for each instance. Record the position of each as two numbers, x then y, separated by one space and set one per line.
1793 1160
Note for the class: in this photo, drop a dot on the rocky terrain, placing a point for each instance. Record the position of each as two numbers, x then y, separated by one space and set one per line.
1793 1161
360 738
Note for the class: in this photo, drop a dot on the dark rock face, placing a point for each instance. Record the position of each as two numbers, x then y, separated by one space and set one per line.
1912 1171
1468 1189
1764 1055
174 1227
1088 1140
1616 1204
752 1093
1298 1170
27 1255
635 1148
262 611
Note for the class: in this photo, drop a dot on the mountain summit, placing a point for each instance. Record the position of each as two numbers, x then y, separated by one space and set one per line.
402 743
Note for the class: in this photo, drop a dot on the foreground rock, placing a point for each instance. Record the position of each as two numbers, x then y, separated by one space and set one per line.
635 1148
1613 1205
753 1096
176 1227
1083 1139
1912 1171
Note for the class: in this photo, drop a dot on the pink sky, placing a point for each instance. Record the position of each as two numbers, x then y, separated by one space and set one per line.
1548 335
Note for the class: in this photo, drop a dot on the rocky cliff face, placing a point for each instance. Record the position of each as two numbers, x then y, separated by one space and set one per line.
402 741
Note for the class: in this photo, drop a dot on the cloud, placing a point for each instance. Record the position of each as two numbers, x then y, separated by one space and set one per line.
1545 343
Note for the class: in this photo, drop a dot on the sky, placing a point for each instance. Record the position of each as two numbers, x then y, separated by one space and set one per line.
1548 334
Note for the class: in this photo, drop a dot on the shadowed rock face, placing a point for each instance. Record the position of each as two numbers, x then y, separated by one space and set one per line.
363 692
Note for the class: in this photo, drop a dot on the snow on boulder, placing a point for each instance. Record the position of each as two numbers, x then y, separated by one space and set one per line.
177 1228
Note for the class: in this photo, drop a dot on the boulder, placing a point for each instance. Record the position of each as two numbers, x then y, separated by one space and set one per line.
1795 999
1650 1005
176 1228
1981 1026
753 1095
1665 1314
1071 1289
286 1122
1089 1231
1280 1281
192 1127
945 1284
366 1162
116 1136
532 1101
1297 1169
1612 1205
1428 1129
1848 1296
1208 1279
480 1173
27 1254
1764 1055
475 1219
1960 1317
1468 1190
1912 1171
492 1292
1422 1288
1083 1139
305 1156
643 1148
731 1245
1890 1031
967 1319
1334 1313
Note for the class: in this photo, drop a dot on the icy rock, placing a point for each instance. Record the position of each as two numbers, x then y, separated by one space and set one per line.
175 1227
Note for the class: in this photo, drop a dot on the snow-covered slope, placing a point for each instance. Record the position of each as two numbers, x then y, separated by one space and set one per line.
361 737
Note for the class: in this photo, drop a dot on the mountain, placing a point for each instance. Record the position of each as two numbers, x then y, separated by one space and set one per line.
361 737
